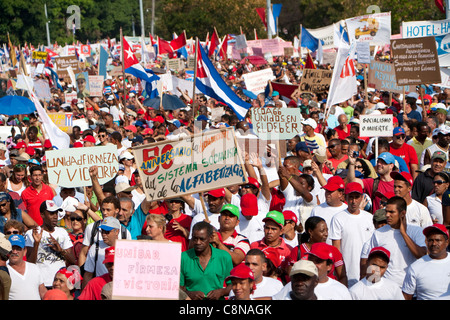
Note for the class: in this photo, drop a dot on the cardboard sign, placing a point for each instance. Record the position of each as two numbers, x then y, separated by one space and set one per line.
62 120
376 125
416 61
276 123
146 269
62 63
96 86
382 77
70 167
256 81
315 80
39 55
190 165
175 64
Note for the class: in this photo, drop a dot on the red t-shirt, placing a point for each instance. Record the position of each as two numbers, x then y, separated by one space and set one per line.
342 134
383 187
93 290
176 235
407 153
335 163
33 199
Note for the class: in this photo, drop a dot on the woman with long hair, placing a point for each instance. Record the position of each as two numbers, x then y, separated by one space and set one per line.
179 223
316 230
18 180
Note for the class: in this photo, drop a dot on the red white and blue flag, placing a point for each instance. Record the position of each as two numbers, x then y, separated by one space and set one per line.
210 83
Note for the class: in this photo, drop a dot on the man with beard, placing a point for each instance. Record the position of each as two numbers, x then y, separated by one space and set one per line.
204 268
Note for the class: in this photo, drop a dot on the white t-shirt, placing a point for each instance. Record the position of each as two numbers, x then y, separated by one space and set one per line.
266 288
401 256
26 286
294 242
47 260
327 212
199 216
435 208
353 231
253 229
428 278
89 265
384 289
297 204
330 290
417 214
284 293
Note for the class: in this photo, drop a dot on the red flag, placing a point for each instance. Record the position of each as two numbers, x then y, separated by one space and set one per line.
164 46
179 42
129 59
440 5
262 14
51 53
214 42
309 63
224 48
201 73
152 40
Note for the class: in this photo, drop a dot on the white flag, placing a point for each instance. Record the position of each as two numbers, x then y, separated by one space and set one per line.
271 21
343 82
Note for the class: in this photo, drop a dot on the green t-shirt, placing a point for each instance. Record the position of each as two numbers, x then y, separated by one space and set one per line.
194 278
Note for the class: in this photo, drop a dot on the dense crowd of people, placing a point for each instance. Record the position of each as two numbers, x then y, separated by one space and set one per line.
335 219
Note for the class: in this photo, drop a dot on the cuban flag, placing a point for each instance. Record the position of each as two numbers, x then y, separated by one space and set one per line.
307 40
133 67
210 83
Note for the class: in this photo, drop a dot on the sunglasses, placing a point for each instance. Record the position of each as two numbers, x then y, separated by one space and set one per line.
11 232
21 165
358 167
4 204
76 218
435 182
248 186
102 135
332 146
400 136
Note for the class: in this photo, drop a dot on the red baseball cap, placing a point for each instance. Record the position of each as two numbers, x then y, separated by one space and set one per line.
30 151
131 128
241 271
20 144
217 193
159 119
109 255
249 205
47 143
322 251
381 250
334 183
436 227
253 182
353 187
78 144
388 194
140 111
290 215
273 255
405 176
89 138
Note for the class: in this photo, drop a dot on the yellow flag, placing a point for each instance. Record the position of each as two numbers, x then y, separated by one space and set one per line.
12 53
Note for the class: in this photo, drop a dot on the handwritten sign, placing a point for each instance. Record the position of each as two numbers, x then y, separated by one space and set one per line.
96 86
382 77
316 80
70 167
256 81
276 123
194 164
62 63
146 269
376 125
62 120
416 61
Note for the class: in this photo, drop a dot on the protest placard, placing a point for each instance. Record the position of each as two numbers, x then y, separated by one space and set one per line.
415 61
70 167
95 86
382 77
42 89
62 120
381 125
39 55
175 64
190 165
363 52
146 270
69 96
256 81
62 63
315 80
372 28
276 123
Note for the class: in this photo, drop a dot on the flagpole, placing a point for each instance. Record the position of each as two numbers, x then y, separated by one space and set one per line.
123 67
195 76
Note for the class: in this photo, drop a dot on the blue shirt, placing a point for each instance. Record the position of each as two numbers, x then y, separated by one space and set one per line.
136 223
